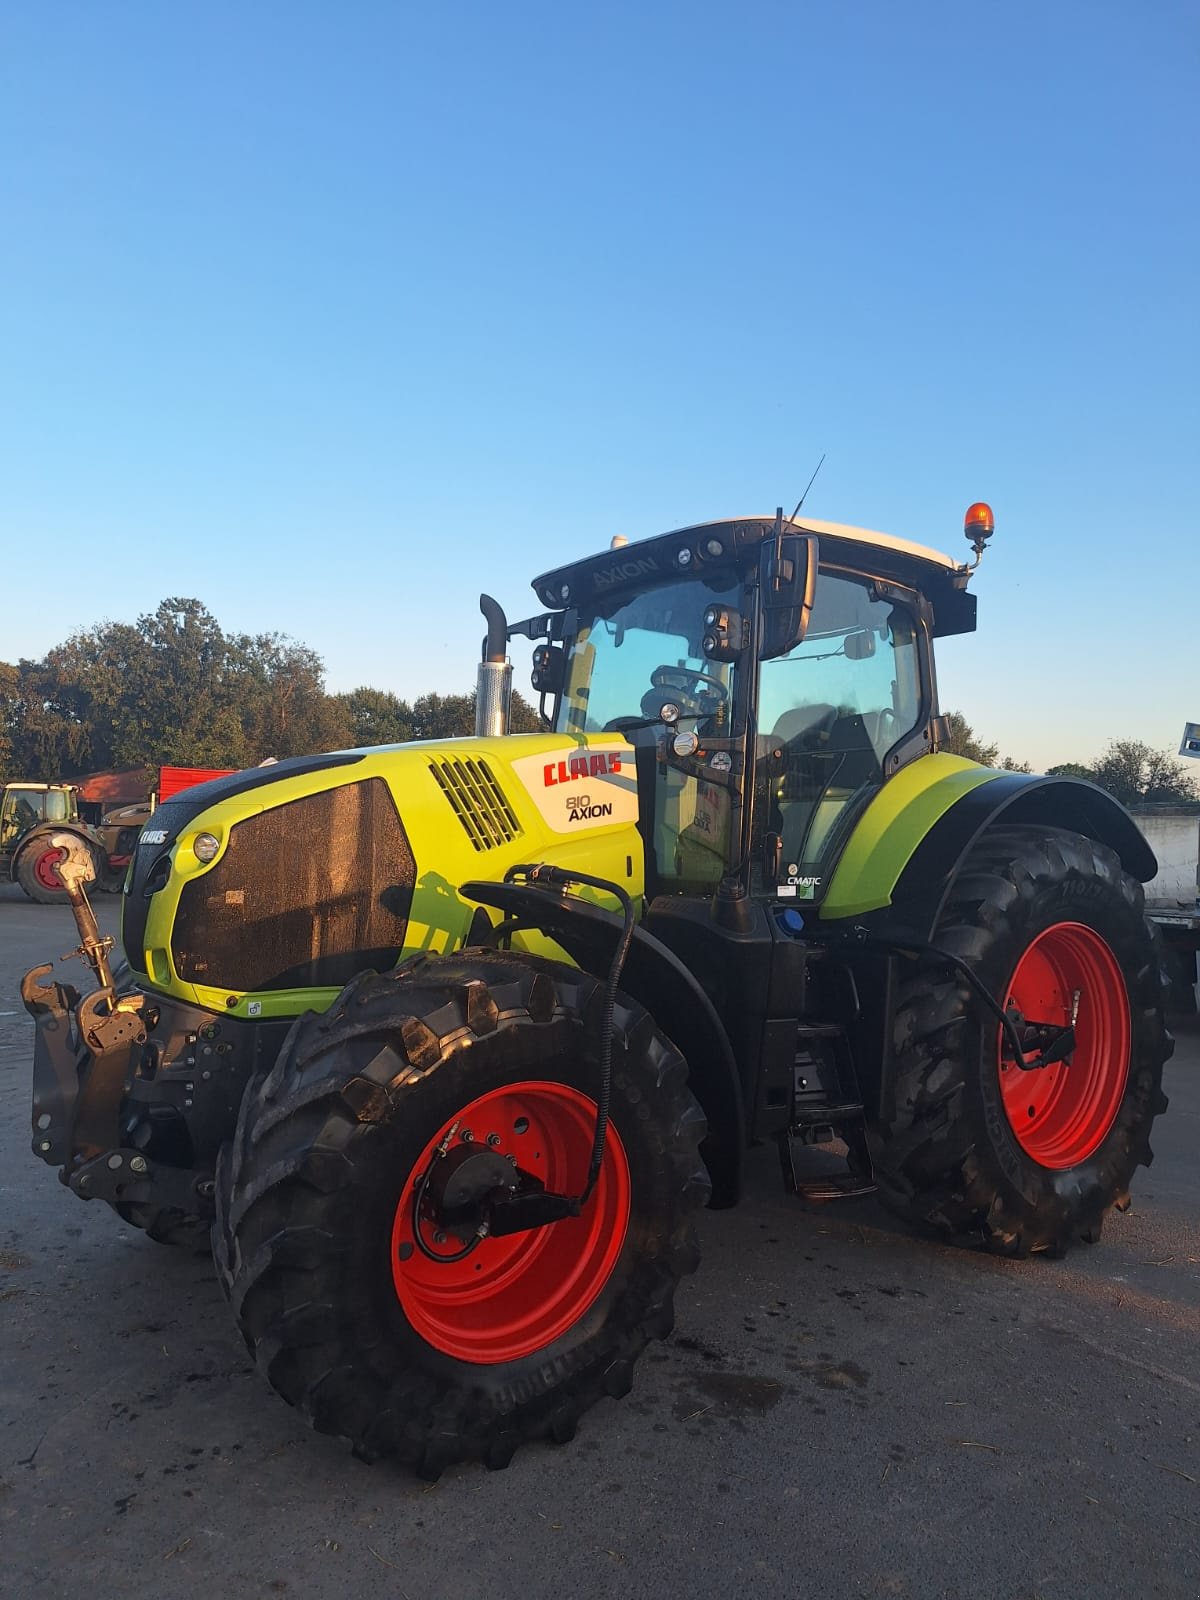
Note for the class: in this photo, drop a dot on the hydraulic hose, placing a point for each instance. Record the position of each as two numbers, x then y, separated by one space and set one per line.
541 873
1063 1042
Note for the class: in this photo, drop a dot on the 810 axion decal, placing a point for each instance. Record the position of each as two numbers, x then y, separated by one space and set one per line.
581 786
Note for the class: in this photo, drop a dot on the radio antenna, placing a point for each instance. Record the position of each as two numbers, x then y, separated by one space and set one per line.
807 487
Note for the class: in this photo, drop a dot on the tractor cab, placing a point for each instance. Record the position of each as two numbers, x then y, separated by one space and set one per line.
771 676
24 805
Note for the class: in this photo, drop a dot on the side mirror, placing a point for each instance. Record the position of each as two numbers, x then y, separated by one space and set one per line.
787 583
549 665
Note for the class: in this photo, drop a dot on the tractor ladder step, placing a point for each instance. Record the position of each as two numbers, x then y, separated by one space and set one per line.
825 1186
837 1186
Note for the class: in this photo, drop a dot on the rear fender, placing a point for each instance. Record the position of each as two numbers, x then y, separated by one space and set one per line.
656 978
908 845
1015 799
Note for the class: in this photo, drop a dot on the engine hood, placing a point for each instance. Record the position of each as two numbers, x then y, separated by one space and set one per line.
329 865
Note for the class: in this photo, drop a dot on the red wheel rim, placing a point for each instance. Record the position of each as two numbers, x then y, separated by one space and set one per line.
512 1296
1061 1114
43 869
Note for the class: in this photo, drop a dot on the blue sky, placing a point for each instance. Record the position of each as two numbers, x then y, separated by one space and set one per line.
334 315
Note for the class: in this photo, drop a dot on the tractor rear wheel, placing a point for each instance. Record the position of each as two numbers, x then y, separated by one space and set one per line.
977 1148
373 1313
34 869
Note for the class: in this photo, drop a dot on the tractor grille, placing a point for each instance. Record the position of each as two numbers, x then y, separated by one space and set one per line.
306 895
478 802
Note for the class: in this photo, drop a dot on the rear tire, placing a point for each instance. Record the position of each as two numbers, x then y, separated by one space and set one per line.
34 870
974 1148
422 1361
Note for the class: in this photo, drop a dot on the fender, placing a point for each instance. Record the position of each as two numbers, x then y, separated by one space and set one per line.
656 978
1016 797
907 846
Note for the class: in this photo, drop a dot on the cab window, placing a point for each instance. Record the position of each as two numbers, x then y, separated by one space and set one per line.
829 713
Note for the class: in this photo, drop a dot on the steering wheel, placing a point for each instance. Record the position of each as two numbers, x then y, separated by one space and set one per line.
683 687
682 678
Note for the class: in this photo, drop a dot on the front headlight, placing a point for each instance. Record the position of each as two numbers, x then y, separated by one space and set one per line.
205 846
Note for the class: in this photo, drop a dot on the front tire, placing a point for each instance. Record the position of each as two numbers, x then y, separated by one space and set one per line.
34 869
977 1149
434 1361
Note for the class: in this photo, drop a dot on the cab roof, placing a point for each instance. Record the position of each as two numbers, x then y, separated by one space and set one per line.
704 545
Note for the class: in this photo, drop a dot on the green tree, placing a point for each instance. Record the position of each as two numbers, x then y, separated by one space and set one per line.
282 698
377 716
522 717
443 716
9 682
49 729
174 687
963 741
1071 769
1135 774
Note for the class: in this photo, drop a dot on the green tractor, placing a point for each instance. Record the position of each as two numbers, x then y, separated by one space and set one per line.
446 1043
30 815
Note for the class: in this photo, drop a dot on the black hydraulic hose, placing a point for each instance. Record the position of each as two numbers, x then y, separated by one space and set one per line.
916 947
541 873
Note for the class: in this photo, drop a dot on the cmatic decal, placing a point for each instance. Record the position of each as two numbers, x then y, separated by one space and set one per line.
581 786
803 888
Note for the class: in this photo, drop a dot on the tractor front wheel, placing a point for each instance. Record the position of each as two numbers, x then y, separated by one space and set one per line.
979 1146
349 1203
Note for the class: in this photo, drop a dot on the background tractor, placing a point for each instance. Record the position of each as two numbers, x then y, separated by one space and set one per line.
30 813
448 1042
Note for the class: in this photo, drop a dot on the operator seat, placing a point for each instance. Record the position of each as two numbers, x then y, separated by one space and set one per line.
826 756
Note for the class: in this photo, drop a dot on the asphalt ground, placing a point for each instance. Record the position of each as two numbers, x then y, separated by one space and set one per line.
843 1410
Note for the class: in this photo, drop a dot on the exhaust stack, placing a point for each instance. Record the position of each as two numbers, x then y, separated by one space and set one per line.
493 686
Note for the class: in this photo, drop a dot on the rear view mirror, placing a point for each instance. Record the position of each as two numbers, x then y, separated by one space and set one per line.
787 582
860 644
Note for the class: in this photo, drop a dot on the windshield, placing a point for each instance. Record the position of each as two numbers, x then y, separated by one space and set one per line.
641 651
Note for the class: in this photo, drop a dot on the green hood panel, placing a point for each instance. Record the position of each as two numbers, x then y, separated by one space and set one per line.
891 828
470 809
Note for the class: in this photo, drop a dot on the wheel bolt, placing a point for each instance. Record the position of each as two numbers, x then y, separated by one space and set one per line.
467 1136
493 1139
439 1237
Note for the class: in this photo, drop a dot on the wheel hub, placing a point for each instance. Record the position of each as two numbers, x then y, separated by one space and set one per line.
460 1185
501 1293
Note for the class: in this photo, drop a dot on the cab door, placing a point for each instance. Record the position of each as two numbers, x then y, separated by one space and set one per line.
830 713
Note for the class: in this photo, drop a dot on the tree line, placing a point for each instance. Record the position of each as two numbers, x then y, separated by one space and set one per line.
1131 771
174 687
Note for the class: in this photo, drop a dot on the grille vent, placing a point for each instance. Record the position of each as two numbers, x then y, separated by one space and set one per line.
478 802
